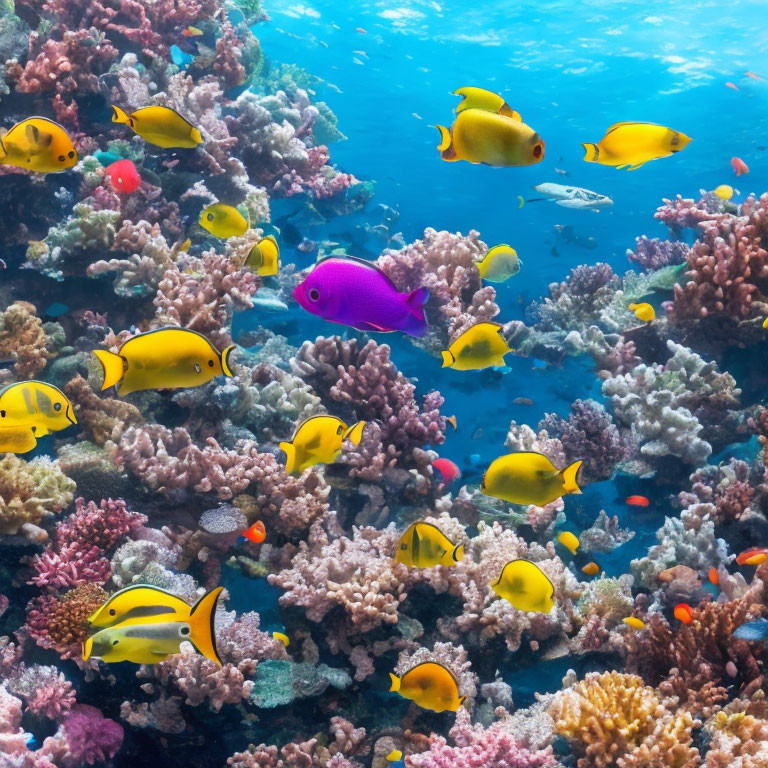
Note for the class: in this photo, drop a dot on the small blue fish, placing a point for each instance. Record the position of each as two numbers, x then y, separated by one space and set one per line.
180 58
756 631
57 309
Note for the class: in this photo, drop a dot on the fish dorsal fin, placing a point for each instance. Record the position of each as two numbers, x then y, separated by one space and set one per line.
363 262
627 122
436 664
312 418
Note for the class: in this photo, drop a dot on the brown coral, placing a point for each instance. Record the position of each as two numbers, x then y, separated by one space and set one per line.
23 339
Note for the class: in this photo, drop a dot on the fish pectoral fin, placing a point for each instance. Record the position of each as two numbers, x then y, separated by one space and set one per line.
366 326
635 167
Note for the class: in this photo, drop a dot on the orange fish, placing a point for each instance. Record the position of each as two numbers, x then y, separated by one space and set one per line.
684 613
753 556
191 32
591 569
754 76
452 421
731 86
256 533
739 166
714 576
637 501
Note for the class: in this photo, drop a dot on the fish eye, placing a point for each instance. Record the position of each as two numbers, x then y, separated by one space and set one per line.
2 414
57 406
210 363
209 217
62 158
314 294
71 154
115 642
403 547
184 630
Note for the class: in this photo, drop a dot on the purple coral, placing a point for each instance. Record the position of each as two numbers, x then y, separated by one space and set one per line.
91 736
655 254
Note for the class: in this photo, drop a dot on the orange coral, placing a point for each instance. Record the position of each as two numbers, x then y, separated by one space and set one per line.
23 339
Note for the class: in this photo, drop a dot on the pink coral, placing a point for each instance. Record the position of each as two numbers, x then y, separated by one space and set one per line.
91 736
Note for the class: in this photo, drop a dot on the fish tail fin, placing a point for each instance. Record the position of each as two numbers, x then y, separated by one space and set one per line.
113 365
448 359
446 144
570 473
225 365
458 553
2 148
196 136
201 624
591 153
462 699
395 683
415 323
118 116
482 266
290 452
355 433
417 299
87 648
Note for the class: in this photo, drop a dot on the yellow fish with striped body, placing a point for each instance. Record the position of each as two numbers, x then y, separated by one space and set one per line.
430 685
643 311
424 545
140 604
524 585
223 221
480 98
264 257
480 346
38 144
631 145
499 264
167 358
318 440
483 137
36 404
161 126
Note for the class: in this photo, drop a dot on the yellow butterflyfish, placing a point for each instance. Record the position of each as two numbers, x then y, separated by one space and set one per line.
480 346
38 144
318 440
524 585
430 685
264 257
394 756
36 404
282 637
424 545
480 98
223 221
643 311
499 264
161 126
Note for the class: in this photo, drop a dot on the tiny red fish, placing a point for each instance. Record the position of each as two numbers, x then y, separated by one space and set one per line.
256 533
361 30
739 166
447 469
714 576
637 501
732 86
684 613
753 556
124 176
754 76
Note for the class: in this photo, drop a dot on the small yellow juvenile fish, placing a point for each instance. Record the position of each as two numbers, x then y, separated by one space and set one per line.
631 145
394 756
483 137
35 404
166 358
499 264
430 685
140 604
569 541
765 323
161 126
318 440
480 98
264 257
17 439
591 568
223 221
634 622
38 144
643 311
424 545
527 477
724 192
282 637
192 32
480 346
524 585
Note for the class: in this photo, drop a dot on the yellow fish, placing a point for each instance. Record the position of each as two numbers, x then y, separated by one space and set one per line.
499 264
724 192
765 323
140 604
223 221
482 137
161 126
591 568
166 358
527 477
38 144
264 257
480 346
192 32
631 145
394 756
634 622
524 585
430 685
644 312
17 439
282 637
318 440
424 545
479 98
35 404
569 541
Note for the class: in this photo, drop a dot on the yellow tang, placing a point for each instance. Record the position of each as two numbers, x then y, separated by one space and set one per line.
724 192
264 257
631 145
140 604
569 541
166 358
38 144
482 137
282 637
424 545
499 264
223 221
430 685
634 622
480 98
526 586
318 440
480 346
36 404
527 477
643 311
394 756
161 126
17 439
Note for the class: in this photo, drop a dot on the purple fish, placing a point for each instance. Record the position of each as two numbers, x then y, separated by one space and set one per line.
357 293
